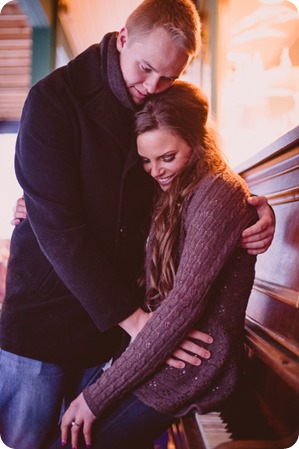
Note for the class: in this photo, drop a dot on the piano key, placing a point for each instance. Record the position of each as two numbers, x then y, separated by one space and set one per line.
213 429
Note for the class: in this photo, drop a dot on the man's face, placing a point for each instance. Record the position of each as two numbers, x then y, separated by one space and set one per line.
149 64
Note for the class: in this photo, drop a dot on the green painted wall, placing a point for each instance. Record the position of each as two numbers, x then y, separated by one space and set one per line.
42 16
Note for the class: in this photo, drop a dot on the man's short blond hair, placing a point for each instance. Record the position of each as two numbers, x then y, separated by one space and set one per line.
179 18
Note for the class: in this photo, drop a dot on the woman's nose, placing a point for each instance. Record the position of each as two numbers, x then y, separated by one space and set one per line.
156 170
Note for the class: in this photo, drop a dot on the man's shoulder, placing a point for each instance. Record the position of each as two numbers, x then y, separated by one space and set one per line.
85 71
77 73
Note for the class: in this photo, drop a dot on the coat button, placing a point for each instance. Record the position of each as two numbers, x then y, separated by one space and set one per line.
123 231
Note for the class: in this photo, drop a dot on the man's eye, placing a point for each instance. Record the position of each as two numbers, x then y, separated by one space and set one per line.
169 80
145 69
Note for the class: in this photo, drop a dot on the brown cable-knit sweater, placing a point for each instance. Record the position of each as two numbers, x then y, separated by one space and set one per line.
211 290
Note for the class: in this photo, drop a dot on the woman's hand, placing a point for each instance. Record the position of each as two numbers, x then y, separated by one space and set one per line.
77 418
258 237
19 212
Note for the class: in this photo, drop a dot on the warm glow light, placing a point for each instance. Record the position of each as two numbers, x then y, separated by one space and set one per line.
295 3
274 2
271 1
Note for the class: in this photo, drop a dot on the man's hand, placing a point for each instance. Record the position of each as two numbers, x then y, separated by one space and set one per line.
187 352
77 418
258 237
19 212
180 357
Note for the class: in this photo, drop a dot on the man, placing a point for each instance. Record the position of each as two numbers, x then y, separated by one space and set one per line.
74 262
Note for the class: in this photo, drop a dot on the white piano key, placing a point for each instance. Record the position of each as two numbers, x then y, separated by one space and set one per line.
213 430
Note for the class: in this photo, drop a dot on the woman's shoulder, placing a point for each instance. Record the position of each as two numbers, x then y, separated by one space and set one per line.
222 196
218 191
227 180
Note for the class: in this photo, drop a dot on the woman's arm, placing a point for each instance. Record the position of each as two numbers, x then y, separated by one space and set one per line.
213 230
133 324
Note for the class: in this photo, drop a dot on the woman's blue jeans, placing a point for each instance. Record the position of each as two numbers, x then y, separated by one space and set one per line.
129 425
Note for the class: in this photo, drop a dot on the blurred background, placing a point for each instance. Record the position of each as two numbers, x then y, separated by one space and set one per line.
248 66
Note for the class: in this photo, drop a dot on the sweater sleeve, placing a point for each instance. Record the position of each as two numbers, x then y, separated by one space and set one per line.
216 217
48 169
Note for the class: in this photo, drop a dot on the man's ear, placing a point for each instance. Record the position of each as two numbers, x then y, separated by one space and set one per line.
122 39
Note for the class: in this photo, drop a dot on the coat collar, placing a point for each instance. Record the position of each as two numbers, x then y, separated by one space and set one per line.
95 75
97 82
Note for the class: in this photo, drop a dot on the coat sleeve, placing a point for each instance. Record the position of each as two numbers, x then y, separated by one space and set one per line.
47 166
216 217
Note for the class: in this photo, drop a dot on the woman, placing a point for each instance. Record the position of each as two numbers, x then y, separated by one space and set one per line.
197 276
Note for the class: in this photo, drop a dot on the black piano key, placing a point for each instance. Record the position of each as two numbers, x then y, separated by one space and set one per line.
244 417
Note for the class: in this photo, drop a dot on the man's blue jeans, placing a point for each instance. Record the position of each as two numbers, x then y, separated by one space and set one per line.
31 397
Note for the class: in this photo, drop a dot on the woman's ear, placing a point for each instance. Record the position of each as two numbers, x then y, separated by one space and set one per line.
122 39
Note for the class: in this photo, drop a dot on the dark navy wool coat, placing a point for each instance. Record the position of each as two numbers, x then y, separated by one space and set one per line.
74 262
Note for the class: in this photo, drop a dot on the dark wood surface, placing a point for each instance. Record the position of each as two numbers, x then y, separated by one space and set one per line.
272 319
274 303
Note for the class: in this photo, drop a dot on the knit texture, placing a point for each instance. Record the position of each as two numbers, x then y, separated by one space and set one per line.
211 290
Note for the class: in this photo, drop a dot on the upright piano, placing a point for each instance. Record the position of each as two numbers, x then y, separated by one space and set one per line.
264 412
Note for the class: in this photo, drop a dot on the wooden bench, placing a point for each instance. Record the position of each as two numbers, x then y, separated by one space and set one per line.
267 415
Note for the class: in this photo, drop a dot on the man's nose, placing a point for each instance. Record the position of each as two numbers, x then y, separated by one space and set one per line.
151 83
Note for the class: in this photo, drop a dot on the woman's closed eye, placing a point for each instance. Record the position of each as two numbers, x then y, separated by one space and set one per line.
164 158
168 158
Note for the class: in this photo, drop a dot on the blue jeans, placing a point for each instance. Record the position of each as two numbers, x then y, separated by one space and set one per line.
31 397
129 425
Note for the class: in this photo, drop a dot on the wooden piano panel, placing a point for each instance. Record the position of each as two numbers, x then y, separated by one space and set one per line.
274 302
272 316
272 322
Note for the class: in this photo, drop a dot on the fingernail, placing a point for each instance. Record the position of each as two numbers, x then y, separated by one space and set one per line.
207 355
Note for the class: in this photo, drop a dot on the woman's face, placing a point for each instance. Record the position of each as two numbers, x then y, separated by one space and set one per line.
164 154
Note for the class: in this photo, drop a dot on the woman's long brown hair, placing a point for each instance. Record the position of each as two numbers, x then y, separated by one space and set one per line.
183 110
